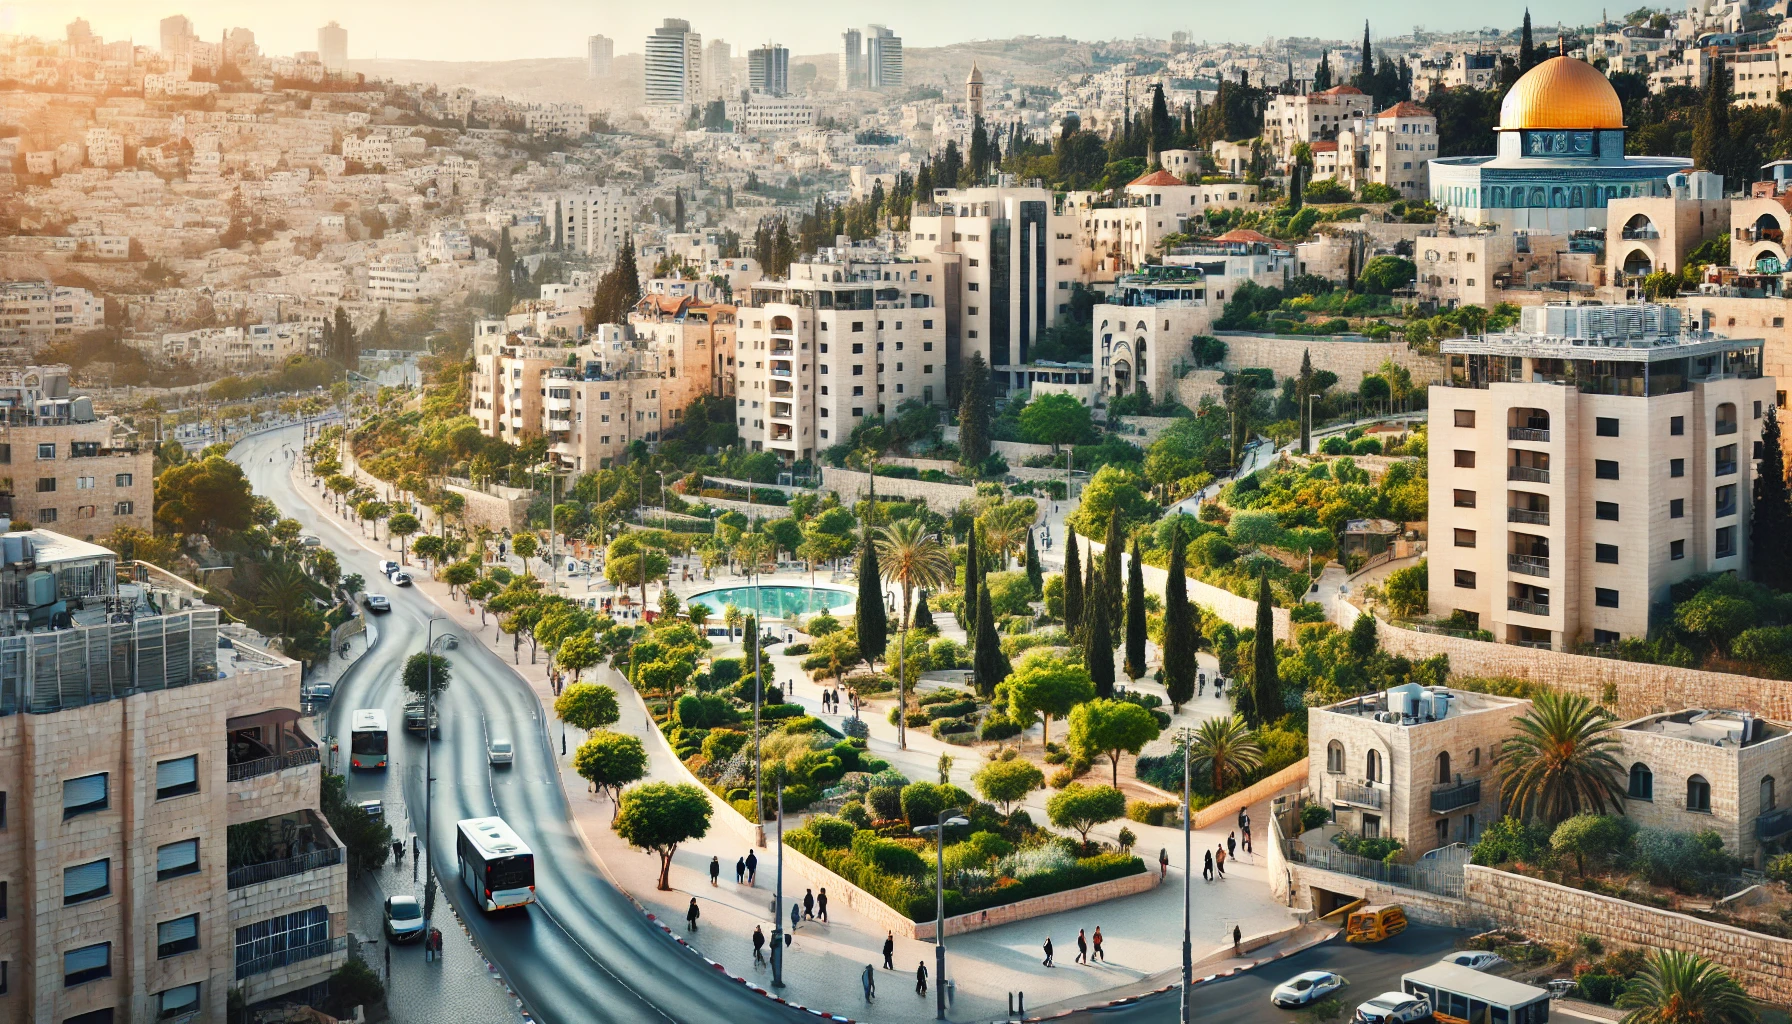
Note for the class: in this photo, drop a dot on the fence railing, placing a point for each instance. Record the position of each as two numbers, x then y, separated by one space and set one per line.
1536 476
1445 799
1526 434
1441 876
269 870
273 763
291 955
1362 794
1530 565
1526 515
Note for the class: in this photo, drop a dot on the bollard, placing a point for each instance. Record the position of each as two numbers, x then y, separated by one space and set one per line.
1023 1004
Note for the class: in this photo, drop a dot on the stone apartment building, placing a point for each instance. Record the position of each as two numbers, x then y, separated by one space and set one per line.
1701 769
137 736
1145 327
1311 117
693 345
1583 463
70 469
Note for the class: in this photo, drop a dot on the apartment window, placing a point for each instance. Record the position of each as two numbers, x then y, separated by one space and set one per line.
124 508
858 369
178 936
3 903
177 777
84 483
1676 550
1465 458
1465 499
1465 538
1605 598
1605 469
824 348
858 348
927 367
1465 579
1726 460
178 1002
177 859
1607 553
1725 500
1605 426
1676 467
46 515
1676 425
91 1017
1607 510
46 484
87 793
1642 780
927 325
86 964
1698 794
1465 417
46 451
858 326
1726 542
857 390
85 882
858 410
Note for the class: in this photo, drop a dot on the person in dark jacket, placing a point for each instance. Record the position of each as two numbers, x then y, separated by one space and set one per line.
758 945
715 870
890 951
821 904
1048 952
921 978
691 915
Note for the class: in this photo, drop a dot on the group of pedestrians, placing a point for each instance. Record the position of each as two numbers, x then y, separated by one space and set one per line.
746 870
868 977
830 701
1088 949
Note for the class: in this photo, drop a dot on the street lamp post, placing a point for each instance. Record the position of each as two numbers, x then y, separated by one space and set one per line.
939 908
1188 874
429 708
778 893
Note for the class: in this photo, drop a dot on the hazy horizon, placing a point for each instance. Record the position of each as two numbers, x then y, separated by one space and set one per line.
472 30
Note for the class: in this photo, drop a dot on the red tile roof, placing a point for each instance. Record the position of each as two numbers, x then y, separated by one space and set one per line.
1324 146
1341 90
1405 108
1156 179
1247 235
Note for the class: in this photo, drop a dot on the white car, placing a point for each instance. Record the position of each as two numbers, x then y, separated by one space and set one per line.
401 579
500 752
404 919
1392 1008
375 809
388 567
320 691
1306 988
1474 959
377 603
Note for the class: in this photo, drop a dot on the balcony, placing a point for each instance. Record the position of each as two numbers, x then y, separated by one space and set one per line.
780 373
1529 565
1641 234
1773 825
1528 474
1519 604
250 967
1445 799
279 847
265 743
240 771
1359 794
782 347
1526 434
1525 515
269 870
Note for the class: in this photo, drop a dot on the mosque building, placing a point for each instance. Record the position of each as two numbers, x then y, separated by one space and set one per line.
1561 157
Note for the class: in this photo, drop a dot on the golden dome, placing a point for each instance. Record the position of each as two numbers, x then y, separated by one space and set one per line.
1561 93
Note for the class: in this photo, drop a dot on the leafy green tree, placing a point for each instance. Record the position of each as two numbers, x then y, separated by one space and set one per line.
873 622
1110 728
1562 760
1383 275
1677 987
659 816
1057 419
368 842
1035 572
973 574
1182 629
422 670
587 706
208 496
402 526
1073 586
1081 808
428 548
459 575
1098 649
525 545
1594 837
1008 782
609 761
1408 590
1113 585
1222 751
989 666
1048 685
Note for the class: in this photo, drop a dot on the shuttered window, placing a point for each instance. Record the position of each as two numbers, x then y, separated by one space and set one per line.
177 777
86 964
177 1002
86 881
177 859
87 793
178 936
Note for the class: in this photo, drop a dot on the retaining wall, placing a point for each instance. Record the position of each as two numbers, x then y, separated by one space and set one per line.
853 485
1350 358
1222 810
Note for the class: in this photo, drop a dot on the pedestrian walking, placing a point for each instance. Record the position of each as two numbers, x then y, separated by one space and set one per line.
758 944
869 981
1096 940
1048 952
1082 947
795 912
715 870
1247 840
1163 863
691 915
740 870
808 904
1244 818
890 951
1219 861
1237 941
921 978
821 904
1232 844
752 868
397 849
1207 867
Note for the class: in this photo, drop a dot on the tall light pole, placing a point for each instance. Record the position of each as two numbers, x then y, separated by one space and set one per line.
429 745
778 892
1188 874
939 908
759 699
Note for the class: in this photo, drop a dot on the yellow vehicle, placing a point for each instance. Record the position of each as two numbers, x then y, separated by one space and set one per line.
1372 924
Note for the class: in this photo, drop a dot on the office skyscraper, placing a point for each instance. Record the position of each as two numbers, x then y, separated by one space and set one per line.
177 37
718 69
768 70
600 56
852 59
883 58
332 46
673 66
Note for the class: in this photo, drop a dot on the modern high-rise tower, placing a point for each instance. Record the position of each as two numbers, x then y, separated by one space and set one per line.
673 64
600 56
852 59
718 70
768 70
883 58
332 46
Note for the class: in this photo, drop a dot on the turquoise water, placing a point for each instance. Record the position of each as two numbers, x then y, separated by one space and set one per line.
775 602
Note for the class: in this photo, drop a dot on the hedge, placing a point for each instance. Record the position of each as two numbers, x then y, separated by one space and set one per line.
1151 813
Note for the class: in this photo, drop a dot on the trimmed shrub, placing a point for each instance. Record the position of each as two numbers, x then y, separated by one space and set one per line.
1151 813
997 726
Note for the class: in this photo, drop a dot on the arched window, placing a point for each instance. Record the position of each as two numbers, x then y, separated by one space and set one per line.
1726 417
1698 794
1372 766
1642 782
1768 800
1577 197
1443 768
1518 198
1334 757
1539 198
1558 197
1499 195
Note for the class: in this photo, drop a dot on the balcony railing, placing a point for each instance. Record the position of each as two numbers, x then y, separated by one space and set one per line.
1536 476
1726 426
1519 604
1530 565
780 373
1445 799
1525 515
1526 434
1535 645
1361 794
276 763
269 870
1773 824
291 955
1641 235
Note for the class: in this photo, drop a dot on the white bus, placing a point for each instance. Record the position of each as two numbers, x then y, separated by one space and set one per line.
495 865
1463 995
367 739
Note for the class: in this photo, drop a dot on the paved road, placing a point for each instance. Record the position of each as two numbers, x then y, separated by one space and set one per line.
583 951
1370 970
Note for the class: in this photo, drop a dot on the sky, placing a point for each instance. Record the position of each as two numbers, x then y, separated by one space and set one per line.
463 30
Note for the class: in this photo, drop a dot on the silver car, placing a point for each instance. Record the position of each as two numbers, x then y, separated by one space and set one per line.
404 919
1393 1008
1305 988
374 809
500 752
1474 959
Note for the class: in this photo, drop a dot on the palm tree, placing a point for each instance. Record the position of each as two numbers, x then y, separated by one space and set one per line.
912 558
1561 762
1005 529
1676 987
732 618
286 592
698 613
1223 748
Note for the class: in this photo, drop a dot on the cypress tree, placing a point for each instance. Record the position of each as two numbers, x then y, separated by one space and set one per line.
1092 594
1098 649
1266 687
873 623
1770 529
1035 574
973 413
1181 635
1135 615
988 666
1112 562
1711 132
1303 390
923 617
1073 586
1527 52
973 574
1367 68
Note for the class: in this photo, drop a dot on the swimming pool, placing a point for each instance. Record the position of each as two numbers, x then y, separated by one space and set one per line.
775 602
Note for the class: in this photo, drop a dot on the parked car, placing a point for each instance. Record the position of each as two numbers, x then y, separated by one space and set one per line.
401 579
1305 988
375 809
404 919
1474 959
320 691
376 603
500 752
1393 1008
309 541
388 567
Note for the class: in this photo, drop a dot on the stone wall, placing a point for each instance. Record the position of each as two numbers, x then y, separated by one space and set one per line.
1039 906
1227 809
852 486
1349 358
1423 907
1762 964
943 465
1014 451
491 511
1195 385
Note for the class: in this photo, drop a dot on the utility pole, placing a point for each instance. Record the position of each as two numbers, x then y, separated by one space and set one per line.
429 710
778 893
1188 874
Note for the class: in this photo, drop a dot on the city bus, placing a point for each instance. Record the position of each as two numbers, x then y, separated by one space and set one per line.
1463 995
367 739
495 865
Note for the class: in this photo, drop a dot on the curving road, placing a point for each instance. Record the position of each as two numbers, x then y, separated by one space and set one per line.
583 951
